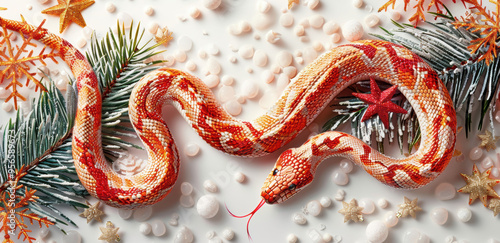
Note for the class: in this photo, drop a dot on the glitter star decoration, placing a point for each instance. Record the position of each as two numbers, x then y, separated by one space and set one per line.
92 212
379 102
351 211
479 185
291 2
409 207
69 11
494 206
109 233
488 141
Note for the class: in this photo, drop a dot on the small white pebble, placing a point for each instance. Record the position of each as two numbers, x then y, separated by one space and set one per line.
316 21
210 186
7 106
143 214
445 191
486 163
475 153
395 15
331 27
414 235
346 166
192 149
227 80
367 205
340 178
158 227
250 89
382 203
194 12
439 216
464 214
153 27
317 46
284 58
336 37
244 26
202 54
228 234
376 231
180 56
275 68
125 213
327 237
185 43
186 201
263 6
312 4
309 54
299 218
304 39
43 1
352 30
272 37
305 22
372 20
286 19
191 66
313 208
149 10
210 235
260 58
249 70
267 76
207 206
291 238
325 201
357 3
282 82
110 7
125 20
184 235
213 66
290 71
211 4
391 219
339 196
299 30
233 107
145 228
246 51
81 43
186 188
239 177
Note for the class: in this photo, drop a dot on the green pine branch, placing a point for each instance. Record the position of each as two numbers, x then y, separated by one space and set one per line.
43 138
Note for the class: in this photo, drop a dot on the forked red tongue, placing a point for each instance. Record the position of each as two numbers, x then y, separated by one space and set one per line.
251 214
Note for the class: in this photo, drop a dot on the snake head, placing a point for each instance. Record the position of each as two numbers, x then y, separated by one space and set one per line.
290 175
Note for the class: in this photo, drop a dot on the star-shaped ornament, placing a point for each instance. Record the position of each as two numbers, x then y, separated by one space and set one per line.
479 185
488 140
409 207
69 11
351 211
379 102
109 233
92 212
291 2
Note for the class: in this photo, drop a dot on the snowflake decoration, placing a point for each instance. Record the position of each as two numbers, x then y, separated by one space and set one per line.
351 211
109 233
92 212
409 207
17 61
163 36
479 185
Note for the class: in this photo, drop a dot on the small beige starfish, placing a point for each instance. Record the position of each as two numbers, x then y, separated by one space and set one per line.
291 2
479 185
494 206
109 233
92 212
488 140
163 36
351 211
409 207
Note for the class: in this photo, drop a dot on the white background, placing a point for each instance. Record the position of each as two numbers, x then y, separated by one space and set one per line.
271 223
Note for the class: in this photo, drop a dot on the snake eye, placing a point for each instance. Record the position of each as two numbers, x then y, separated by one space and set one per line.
292 186
275 171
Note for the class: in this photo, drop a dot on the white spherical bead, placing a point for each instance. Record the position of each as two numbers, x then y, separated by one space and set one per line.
314 207
145 228
367 205
212 4
475 153
186 188
210 186
158 228
464 214
377 231
192 149
299 218
391 219
291 238
325 202
340 178
352 30
439 216
207 206
228 234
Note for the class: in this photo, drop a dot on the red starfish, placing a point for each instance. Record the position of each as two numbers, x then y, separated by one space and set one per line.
379 102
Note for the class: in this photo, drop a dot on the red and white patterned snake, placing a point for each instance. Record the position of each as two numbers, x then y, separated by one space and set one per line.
306 96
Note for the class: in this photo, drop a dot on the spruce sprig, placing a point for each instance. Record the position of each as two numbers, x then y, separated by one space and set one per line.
42 139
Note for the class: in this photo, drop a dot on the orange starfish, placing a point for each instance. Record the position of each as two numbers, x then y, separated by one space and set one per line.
69 11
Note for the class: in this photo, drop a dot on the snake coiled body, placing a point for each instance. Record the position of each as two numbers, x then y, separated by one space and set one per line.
306 96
